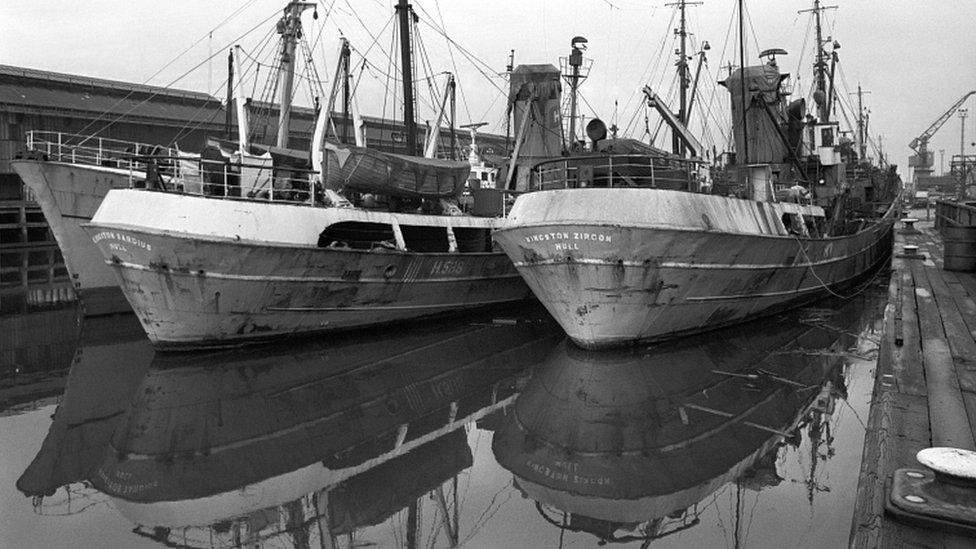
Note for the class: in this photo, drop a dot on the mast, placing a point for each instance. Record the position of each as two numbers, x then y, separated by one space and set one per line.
575 62
242 121
433 133
344 55
861 125
694 85
684 79
290 28
963 172
963 113
742 83
964 166
230 94
820 65
508 119
453 89
404 11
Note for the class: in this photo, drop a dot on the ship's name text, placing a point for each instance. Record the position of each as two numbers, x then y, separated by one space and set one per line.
594 237
112 235
570 476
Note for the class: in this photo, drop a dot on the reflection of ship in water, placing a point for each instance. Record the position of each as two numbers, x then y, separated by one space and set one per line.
630 445
110 357
309 444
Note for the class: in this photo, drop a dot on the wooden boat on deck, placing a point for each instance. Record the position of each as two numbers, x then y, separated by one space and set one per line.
371 171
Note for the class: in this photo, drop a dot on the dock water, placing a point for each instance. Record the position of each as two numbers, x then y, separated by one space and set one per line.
925 387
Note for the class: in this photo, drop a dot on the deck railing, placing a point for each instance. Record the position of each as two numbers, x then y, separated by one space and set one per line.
615 171
232 180
168 169
94 151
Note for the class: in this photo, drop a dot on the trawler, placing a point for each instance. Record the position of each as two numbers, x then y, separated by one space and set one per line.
251 250
69 175
619 258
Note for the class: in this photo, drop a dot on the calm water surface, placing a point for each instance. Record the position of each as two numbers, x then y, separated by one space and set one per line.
482 431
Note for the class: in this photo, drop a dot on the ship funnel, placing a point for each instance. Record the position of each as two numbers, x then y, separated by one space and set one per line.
762 98
534 103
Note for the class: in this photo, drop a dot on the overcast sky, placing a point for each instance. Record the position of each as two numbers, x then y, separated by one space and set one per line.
915 57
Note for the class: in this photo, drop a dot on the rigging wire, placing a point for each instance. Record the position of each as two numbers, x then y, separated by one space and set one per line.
167 86
478 63
426 66
194 123
450 51
435 95
651 68
318 43
311 75
755 37
267 97
807 36
391 74
391 68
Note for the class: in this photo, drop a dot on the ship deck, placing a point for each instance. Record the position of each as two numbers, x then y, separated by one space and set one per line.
925 387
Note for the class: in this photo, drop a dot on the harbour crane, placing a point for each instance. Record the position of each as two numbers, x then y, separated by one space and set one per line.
922 160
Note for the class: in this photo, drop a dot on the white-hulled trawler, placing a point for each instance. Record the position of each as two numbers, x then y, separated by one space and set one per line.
618 258
270 252
69 176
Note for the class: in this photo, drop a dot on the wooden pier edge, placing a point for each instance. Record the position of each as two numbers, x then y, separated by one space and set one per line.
924 392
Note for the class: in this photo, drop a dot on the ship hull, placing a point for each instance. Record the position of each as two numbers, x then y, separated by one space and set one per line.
202 272
646 265
69 194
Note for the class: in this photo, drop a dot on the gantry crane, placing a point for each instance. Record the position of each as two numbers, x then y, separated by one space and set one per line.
922 160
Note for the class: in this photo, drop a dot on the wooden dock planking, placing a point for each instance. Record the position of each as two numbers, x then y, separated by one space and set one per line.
945 397
909 378
960 339
923 390
965 299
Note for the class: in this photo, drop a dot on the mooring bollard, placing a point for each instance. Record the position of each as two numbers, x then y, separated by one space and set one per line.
908 225
910 251
943 495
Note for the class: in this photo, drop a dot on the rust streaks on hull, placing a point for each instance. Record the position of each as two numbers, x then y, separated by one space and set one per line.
195 292
645 284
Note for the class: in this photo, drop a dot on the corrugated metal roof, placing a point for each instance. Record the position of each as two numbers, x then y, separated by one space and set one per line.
52 92
78 81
